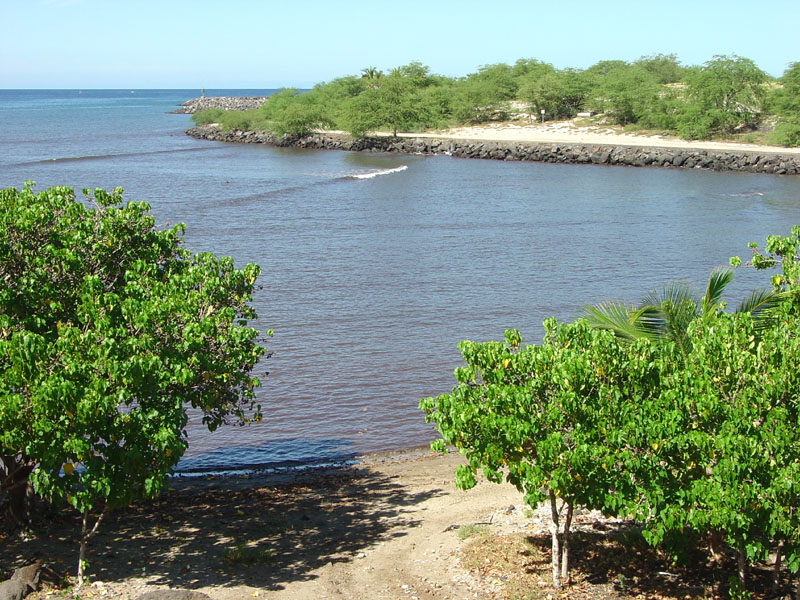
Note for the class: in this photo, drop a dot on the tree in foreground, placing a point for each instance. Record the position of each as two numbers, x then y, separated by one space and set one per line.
109 330
546 418
689 425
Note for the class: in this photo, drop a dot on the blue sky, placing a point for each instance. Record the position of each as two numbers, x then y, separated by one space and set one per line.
266 44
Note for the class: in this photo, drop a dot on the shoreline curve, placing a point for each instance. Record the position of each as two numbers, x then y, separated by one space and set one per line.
619 152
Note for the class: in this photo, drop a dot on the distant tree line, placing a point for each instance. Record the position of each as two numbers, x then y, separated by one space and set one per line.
726 96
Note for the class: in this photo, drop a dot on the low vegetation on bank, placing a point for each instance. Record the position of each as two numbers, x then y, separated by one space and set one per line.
726 97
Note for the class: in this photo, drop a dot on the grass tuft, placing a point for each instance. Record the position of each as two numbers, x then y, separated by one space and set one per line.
467 531
242 554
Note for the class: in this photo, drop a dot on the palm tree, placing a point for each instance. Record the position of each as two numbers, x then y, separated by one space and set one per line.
371 74
664 315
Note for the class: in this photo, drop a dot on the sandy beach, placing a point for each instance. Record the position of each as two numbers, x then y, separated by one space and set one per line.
569 132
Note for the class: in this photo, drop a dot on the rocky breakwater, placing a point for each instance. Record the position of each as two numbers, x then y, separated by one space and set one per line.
224 102
632 156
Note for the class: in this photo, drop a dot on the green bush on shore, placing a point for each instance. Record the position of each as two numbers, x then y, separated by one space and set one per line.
727 95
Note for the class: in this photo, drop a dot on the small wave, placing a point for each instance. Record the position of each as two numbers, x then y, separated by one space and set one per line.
745 194
372 174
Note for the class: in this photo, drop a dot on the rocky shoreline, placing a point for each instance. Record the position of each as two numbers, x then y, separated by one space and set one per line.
224 102
552 152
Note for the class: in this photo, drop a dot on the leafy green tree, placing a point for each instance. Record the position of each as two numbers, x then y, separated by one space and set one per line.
485 95
783 251
625 93
605 67
665 68
785 101
530 68
788 95
392 102
417 74
726 93
109 330
332 98
371 74
499 76
787 131
718 447
545 417
561 94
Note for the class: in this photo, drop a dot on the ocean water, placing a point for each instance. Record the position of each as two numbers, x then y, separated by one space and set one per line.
374 266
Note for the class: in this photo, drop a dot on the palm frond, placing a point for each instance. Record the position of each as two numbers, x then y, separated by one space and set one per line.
652 320
622 319
675 292
717 282
762 305
760 301
677 317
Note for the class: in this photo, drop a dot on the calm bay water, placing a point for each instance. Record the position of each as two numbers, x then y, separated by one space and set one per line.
374 266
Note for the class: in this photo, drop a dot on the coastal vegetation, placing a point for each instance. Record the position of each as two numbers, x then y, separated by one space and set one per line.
110 332
692 433
727 97
686 423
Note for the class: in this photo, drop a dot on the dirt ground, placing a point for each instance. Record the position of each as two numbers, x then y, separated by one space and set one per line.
387 528
391 527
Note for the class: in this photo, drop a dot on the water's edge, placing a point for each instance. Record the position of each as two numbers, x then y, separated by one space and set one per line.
552 152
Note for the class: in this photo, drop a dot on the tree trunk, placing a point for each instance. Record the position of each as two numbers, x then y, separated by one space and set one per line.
715 542
776 578
565 545
14 473
556 547
741 559
85 537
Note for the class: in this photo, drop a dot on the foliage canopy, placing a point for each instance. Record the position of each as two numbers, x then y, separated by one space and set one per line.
696 436
109 330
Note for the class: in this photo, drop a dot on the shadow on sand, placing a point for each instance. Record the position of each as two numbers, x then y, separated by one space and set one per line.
232 531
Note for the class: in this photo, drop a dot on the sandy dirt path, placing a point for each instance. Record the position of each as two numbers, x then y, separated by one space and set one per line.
385 529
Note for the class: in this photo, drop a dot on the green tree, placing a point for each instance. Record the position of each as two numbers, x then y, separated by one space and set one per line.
109 330
625 93
526 68
485 95
718 446
392 102
784 252
371 74
561 94
726 93
665 68
546 418
785 101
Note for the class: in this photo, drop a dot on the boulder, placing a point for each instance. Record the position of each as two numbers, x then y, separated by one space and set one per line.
24 581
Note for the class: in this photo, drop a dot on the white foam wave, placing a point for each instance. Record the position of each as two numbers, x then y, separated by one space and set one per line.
372 174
